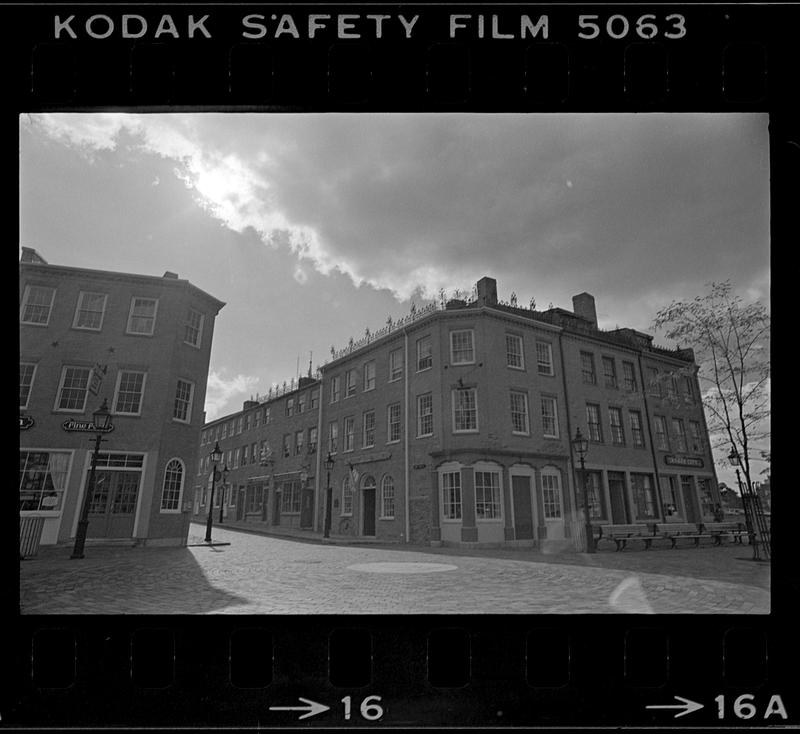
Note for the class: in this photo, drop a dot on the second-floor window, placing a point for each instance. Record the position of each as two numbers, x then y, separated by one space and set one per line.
90 310
73 389
130 388
26 373
393 422
465 409
299 436
637 434
287 444
609 372
549 417
142 317
333 437
37 302
348 433
519 412
369 429
617 431
312 440
660 425
182 410
425 415
679 432
696 436
629 376
593 422
544 358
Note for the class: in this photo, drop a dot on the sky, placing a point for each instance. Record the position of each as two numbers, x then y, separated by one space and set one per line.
313 227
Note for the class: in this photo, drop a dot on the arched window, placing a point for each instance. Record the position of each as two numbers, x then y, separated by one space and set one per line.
347 496
173 486
387 496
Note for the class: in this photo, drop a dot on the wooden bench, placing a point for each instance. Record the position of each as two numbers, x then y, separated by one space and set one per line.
720 530
621 534
674 531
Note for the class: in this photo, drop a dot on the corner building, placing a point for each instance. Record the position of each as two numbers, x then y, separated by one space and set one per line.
143 344
454 425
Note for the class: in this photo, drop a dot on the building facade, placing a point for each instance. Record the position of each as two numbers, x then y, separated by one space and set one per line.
455 425
141 343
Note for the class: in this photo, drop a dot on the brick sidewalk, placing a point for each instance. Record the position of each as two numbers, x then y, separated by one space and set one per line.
262 574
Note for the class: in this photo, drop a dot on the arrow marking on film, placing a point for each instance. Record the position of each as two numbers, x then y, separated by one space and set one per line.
312 708
687 706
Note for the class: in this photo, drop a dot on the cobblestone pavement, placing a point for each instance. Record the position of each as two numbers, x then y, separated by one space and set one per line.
260 574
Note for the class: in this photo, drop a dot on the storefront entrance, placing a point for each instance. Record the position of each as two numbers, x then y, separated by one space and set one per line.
369 511
307 509
523 510
113 505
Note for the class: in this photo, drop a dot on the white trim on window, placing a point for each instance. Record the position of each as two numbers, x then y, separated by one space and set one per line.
472 392
189 325
28 385
57 406
131 316
189 402
115 410
515 352
80 308
466 350
182 481
496 487
388 498
40 320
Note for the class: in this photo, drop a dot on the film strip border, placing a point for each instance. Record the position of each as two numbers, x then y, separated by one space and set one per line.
583 58
494 671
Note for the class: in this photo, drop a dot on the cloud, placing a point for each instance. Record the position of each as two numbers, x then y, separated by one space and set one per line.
222 390
415 203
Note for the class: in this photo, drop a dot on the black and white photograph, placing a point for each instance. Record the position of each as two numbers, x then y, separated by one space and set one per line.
440 363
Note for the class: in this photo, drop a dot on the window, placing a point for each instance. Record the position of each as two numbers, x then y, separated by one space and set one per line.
130 388
593 421
653 382
519 412
348 433
514 355
425 415
424 353
90 310
706 498
247 422
387 497
26 372
696 437
335 389
349 383
670 495
461 347
267 415
393 422
290 496
42 479
637 434
193 329
239 424
544 358
287 444
672 388
609 371
182 410
289 406
451 495
662 440
644 500
245 454
142 317
172 486
37 302
236 454
224 430
299 437
551 494
314 399
617 430
395 364
629 376
369 375
312 440
587 368
679 431
333 437
347 496
594 488
487 495
368 434
549 417
688 388
465 409
301 403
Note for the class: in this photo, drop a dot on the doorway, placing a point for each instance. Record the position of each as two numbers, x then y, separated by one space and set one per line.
523 510
113 505
369 511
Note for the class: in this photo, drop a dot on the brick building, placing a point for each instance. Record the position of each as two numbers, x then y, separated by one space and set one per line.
454 425
143 344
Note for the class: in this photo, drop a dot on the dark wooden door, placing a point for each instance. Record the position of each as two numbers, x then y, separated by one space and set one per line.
369 512
616 491
523 513
113 506
307 508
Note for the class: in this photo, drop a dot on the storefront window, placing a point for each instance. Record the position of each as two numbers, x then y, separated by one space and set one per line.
644 499
42 479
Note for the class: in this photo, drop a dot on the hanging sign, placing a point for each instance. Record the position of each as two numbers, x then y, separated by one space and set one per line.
72 424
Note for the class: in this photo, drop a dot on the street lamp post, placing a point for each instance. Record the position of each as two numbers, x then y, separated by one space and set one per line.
222 486
328 496
581 446
750 509
101 420
216 457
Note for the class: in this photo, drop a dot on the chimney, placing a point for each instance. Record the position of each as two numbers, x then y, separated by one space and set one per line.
583 306
29 255
487 291
169 274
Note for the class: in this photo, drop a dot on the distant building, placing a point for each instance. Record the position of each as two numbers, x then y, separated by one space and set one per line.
455 425
143 344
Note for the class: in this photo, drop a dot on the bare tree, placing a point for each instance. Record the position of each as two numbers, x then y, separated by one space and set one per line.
731 344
